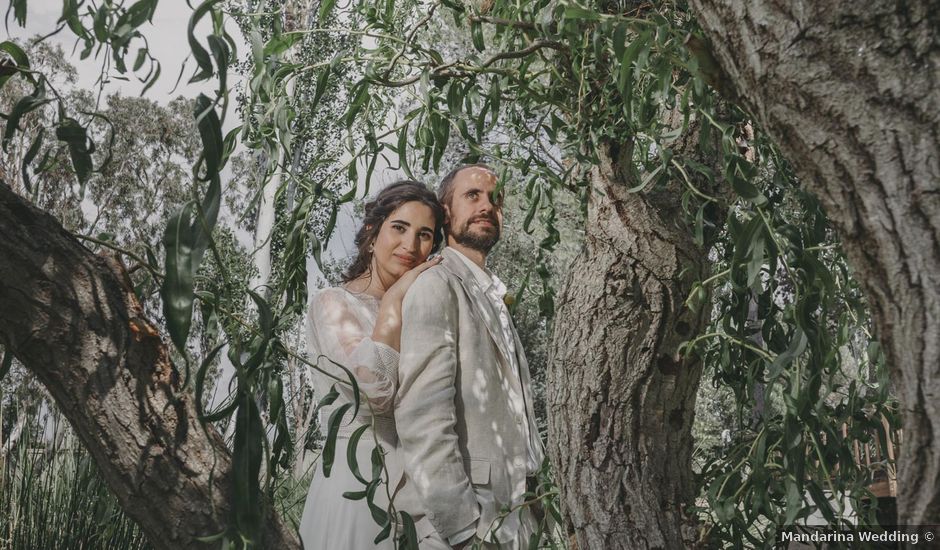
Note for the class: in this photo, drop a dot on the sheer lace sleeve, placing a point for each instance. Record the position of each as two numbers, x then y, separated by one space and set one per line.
339 327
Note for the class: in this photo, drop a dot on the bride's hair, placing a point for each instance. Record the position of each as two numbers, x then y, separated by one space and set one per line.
380 208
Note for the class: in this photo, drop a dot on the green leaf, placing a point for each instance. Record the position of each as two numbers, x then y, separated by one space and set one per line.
454 98
19 11
740 183
6 363
360 98
625 80
275 397
620 39
100 25
329 447
646 180
379 515
201 378
495 96
756 255
177 288
141 12
247 456
80 148
377 463
351 458
326 7
213 152
533 208
316 249
30 155
329 398
139 60
20 63
384 533
403 150
25 105
210 131
282 442
409 536
795 349
282 42
322 80
476 34
222 55
151 78
265 316
200 54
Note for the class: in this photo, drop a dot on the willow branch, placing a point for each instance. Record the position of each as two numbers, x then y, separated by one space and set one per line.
463 69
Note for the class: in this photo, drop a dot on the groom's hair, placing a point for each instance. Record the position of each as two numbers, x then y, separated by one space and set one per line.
445 191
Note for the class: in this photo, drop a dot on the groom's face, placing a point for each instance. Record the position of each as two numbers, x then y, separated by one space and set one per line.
475 214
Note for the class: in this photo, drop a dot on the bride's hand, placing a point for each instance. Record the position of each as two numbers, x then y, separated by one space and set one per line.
401 286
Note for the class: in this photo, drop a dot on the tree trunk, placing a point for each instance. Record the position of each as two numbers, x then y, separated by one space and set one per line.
850 91
620 399
72 319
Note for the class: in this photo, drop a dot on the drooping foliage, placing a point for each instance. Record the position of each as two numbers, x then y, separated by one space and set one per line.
536 89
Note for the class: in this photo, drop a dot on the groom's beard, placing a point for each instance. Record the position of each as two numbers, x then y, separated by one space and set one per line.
476 239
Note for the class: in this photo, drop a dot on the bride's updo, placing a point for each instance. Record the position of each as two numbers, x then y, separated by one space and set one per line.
381 207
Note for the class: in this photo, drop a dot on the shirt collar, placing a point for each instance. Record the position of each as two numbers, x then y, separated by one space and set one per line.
484 277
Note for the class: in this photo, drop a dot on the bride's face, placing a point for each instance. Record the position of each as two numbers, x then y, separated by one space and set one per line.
404 240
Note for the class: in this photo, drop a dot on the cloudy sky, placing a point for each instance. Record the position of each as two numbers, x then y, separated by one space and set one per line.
166 35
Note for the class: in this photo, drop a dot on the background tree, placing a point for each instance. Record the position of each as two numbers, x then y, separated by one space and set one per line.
850 99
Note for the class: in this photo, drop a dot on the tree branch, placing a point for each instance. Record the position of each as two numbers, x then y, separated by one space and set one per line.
72 319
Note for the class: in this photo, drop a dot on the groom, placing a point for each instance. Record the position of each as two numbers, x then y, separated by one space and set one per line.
468 439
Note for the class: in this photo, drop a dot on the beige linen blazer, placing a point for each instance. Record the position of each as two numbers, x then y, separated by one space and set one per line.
462 446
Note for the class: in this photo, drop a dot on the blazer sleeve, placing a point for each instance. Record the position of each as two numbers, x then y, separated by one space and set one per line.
425 411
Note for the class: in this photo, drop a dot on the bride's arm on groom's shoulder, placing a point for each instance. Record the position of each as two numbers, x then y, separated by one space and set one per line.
388 320
336 332
425 412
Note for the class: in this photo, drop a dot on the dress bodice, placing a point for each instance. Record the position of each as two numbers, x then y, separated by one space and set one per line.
339 339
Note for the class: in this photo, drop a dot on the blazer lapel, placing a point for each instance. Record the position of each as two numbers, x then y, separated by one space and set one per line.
478 299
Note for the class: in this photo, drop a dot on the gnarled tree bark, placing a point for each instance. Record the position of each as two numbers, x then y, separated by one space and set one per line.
620 399
71 318
850 91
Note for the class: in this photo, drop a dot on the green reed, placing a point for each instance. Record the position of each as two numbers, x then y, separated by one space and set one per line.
55 498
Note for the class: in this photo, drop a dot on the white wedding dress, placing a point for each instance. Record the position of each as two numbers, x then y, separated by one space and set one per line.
339 327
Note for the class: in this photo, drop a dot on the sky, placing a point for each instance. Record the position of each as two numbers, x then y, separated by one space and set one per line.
166 36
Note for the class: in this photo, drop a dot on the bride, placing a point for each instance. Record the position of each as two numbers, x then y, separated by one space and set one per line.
358 325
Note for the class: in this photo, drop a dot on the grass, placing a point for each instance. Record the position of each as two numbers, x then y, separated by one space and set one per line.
55 498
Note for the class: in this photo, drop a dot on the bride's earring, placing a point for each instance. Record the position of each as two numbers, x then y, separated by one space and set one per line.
371 248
